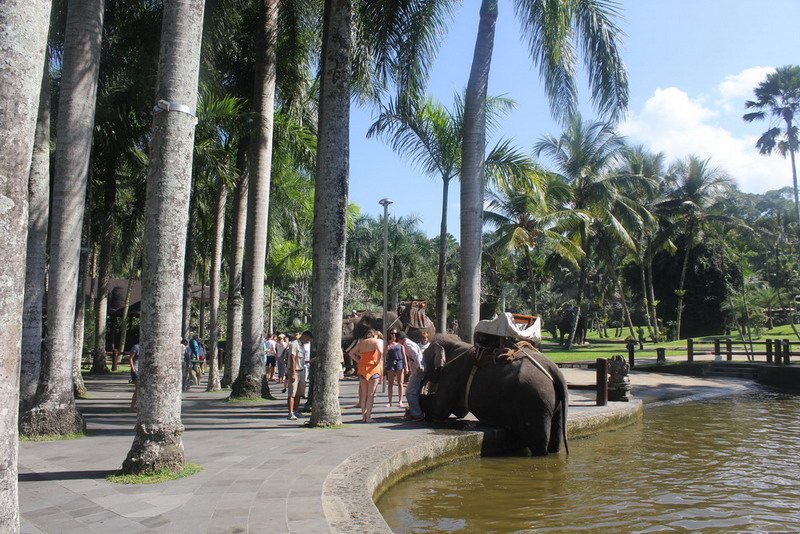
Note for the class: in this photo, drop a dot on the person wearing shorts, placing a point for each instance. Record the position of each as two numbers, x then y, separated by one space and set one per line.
368 353
295 373
396 364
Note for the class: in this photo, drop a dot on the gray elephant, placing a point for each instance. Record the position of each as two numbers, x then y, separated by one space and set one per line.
522 391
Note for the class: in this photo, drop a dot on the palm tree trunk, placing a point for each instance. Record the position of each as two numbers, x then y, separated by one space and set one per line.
233 346
789 128
249 383
23 36
441 281
36 264
683 280
532 281
78 386
651 291
201 316
157 444
188 272
54 412
104 280
330 209
216 267
123 338
472 171
648 316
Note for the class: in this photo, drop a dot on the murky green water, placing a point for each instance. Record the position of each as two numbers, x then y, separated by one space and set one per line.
724 465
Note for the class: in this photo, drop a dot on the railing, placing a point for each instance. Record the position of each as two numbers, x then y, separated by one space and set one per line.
775 351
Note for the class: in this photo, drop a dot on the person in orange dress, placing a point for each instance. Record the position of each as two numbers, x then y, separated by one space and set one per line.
368 353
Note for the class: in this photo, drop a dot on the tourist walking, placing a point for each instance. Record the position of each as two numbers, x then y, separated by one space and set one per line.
396 364
272 356
368 355
416 369
296 373
280 356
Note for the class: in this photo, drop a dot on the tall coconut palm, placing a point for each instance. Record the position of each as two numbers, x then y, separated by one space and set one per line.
637 162
23 36
157 444
330 207
401 37
778 97
531 219
54 411
249 382
584 155
36 264
553 30
431 136
695 196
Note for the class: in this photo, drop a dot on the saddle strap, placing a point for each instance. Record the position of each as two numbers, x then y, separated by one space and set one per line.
469 386
541 367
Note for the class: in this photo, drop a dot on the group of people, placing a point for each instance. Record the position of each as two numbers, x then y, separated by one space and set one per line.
399 358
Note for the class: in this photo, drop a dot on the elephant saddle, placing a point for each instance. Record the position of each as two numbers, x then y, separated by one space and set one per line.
412 314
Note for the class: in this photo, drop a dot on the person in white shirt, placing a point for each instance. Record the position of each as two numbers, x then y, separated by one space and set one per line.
271 350
416 369
295 373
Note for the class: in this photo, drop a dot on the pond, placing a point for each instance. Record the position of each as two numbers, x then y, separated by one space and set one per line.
721 465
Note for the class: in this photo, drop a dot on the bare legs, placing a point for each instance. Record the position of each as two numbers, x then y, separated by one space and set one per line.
366 396
395 377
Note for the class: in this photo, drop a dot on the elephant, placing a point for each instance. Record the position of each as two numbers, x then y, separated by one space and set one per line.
565 327
525 393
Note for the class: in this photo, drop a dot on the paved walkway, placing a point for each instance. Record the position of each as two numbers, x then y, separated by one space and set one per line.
261 472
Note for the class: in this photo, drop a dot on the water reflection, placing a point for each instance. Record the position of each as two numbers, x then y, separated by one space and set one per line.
724 465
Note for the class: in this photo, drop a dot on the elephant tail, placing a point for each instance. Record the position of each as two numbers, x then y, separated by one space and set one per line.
562 392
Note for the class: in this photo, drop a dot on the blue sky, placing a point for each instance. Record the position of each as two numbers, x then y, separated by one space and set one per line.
691 66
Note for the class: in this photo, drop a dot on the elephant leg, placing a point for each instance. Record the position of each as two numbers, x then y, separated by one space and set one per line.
556 431
536 436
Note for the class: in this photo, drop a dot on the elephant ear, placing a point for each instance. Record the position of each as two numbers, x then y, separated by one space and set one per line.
434 359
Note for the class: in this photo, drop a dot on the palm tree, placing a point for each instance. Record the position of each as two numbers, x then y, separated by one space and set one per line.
552 29
23 37
637 162
696 193
401 42
36 262
531 219
249 382
157 444
779 98
54 411
431 136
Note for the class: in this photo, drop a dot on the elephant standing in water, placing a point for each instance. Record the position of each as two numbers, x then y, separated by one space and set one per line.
524 393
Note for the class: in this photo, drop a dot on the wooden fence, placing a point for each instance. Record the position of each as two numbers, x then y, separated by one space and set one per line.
774 351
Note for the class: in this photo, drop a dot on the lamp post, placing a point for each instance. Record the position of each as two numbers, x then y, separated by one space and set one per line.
385 203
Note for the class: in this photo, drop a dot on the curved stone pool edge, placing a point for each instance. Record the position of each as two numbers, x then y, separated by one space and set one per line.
351 489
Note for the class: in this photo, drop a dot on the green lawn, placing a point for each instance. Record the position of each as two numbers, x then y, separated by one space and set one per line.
608 347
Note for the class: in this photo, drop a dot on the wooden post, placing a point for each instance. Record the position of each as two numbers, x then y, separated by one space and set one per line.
631 350
717 351
787 350
768 343
602 381
114 360
778 349
729 349
690 350
661 355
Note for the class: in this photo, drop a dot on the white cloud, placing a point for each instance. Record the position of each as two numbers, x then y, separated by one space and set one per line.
734 90
678 125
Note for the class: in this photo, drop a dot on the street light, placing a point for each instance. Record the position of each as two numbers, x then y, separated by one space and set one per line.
385 203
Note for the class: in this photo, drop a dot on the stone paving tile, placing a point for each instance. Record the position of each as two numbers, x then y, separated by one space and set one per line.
261 472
